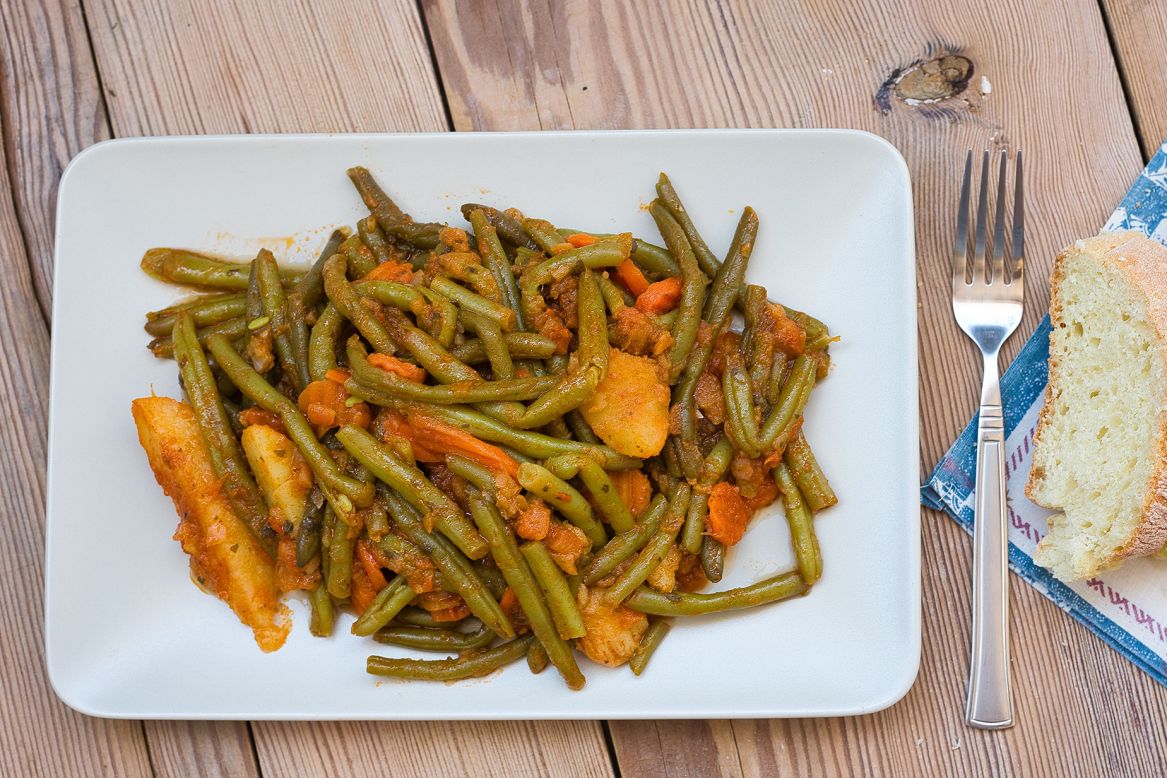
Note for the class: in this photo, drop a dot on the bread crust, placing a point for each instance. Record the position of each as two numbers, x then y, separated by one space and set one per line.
1143 262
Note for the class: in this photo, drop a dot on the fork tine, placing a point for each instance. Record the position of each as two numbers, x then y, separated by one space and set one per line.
1018 252
978 272
960 247
997 266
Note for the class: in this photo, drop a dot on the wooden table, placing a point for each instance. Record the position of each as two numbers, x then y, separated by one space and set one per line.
1079 84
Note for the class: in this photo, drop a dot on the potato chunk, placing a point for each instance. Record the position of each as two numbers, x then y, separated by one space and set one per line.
282 475
630 409
224 556
612 633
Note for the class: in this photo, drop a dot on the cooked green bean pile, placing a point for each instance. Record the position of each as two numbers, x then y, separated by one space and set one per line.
505 439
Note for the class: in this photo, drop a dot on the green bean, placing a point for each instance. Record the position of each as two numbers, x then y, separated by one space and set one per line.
739 407
423 639
560 600
592 331
204 310
669 199
469 666
322 343
495 258
557 493
791 402
388 603
655 259
440 363
340 557
780 587
654 550
403 296
447 394
226 456
507 228
693 283
537 660
391 218
515 570
328 474
580 429
812 483
543 233
521 345
491 577
323 615
480 476
648 644
189 268
818 336
532 444
712 558
608 252
807 553
412 484
615 298
275 308
627 543
303 298
234 329
374 239
599 485
491 337
474 302
569 393
308 533
347 301
457 573
416 617
715 464
359 258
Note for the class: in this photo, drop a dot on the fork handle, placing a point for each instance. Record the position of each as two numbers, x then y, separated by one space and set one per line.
990 701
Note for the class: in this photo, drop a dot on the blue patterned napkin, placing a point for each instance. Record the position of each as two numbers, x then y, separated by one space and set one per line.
1126 607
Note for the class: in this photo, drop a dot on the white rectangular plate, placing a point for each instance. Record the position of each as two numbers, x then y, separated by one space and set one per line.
128 635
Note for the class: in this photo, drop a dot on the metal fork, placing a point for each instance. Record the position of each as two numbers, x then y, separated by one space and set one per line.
986 301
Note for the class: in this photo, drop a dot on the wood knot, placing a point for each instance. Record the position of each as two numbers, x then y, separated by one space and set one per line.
926 81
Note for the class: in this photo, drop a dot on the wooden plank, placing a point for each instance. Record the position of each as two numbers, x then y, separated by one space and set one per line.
48 89
203 748
40 736
683 63
189 67
1139 29
438 749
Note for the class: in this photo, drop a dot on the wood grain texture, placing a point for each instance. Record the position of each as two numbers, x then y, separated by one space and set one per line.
51 104
695 63
203 748
39 735
189 67
438 749
1139 29
173 68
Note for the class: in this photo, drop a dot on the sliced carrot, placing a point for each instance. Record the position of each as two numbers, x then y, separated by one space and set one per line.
398 367
338 375
580 239
509 602
534 521
250 417
634 489
394 425
660 297
401 272
629 274
362 593
443 438
728 514
368 560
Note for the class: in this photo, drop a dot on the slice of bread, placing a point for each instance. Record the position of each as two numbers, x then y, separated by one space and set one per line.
1100 452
